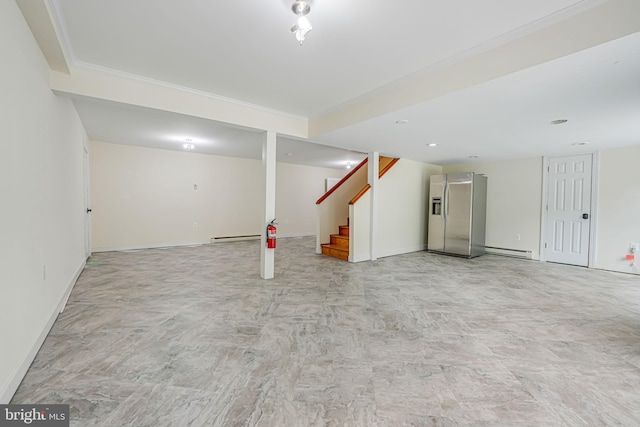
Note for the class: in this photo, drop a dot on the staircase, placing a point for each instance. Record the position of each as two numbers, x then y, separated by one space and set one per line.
339 244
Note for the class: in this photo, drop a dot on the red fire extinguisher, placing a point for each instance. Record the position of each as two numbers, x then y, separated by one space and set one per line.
271 235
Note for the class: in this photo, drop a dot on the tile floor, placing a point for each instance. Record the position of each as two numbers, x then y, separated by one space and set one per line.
193 337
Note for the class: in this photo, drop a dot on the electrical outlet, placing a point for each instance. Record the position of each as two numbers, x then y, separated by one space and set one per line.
517 237
635 247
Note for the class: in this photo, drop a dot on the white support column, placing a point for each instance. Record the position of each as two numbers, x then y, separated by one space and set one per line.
373 169
267 256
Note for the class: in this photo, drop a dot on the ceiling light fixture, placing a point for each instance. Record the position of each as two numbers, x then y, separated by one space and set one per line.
302 26
433 144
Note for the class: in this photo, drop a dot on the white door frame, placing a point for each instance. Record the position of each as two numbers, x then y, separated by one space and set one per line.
87 199
593 218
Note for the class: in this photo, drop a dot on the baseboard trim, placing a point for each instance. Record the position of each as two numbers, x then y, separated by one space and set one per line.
618 268
401 251
516 253
153 246
286 236
360 257
10 389
198 243
257 237
70 286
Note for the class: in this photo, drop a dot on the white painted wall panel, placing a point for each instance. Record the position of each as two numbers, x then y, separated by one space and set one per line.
144 197
403 213
360 229
618 209
42 215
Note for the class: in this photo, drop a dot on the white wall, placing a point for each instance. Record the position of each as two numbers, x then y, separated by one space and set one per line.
144 197
403 207
402 212
618 209
514 201
41 182
360 229
297 190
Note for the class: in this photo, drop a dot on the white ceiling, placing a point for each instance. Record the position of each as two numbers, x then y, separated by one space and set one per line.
145 127
597 91
243 50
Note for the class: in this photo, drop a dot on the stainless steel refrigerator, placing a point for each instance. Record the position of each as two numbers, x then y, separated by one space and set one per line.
457 214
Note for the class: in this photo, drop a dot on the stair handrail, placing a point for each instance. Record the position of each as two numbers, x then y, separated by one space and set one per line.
368 186
344 179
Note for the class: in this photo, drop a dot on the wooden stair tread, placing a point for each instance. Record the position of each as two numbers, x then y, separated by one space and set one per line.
339 240
339 243
335 251
329 245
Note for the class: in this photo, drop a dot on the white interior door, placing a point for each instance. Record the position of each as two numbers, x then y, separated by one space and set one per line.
568 210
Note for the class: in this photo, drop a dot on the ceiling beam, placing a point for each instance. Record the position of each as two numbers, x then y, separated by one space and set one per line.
132 90
70 78
38 17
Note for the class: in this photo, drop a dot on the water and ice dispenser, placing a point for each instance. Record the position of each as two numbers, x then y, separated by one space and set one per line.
436 206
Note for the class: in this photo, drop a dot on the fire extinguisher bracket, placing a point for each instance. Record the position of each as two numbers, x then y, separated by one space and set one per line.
271 234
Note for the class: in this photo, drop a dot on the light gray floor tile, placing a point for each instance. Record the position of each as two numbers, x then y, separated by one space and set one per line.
193 337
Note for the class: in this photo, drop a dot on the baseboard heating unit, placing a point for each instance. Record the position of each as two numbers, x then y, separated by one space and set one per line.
517 253
222 239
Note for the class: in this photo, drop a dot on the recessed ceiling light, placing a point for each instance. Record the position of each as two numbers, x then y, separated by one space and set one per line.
581 143
402 122
559 121
473 157
432 145
289 154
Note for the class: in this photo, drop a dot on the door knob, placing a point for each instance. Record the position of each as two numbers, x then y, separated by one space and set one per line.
585 216
89 210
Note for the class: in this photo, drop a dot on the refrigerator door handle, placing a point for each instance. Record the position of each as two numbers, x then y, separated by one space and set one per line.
445 195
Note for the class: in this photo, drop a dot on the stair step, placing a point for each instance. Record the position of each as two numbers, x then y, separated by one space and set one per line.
340 241
335 251
344 230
